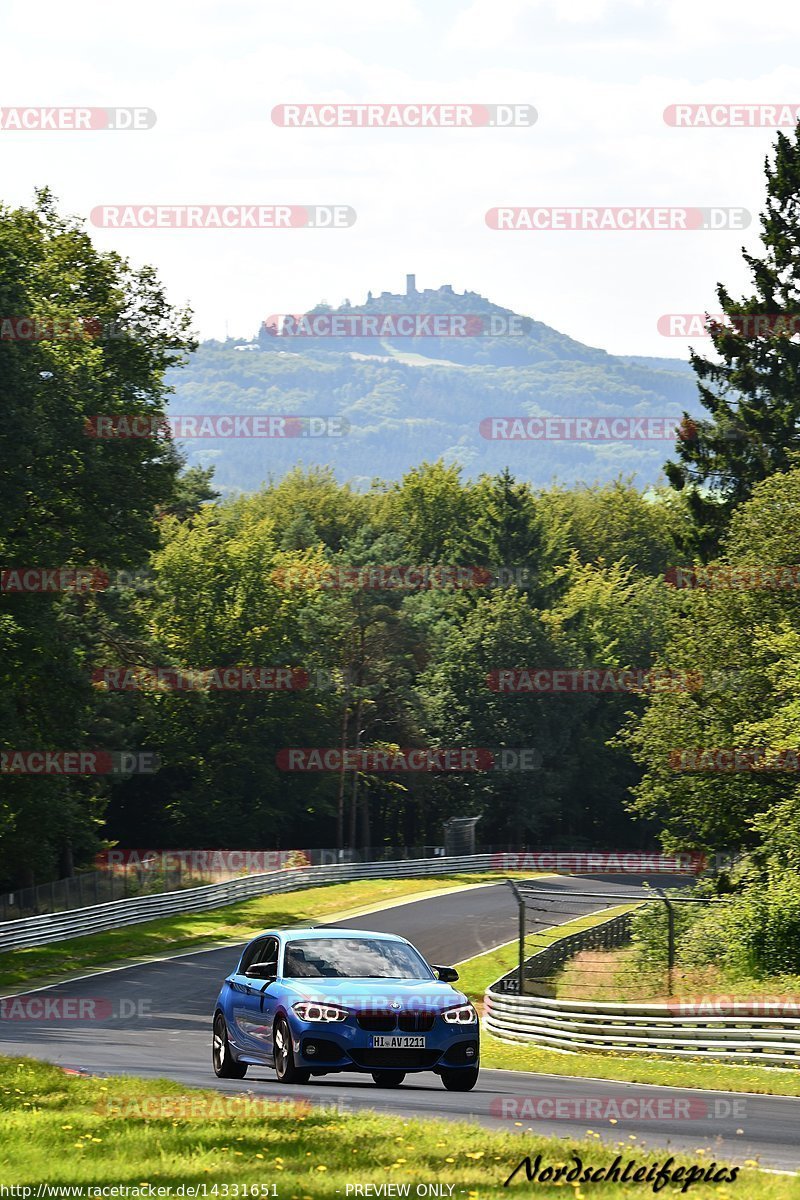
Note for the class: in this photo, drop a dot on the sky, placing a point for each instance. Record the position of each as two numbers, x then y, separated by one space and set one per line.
598 72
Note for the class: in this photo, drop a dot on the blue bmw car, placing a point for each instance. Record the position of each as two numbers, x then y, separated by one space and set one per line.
310 1001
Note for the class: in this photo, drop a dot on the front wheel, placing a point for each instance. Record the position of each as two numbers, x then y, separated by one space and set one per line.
225 1065
460 1081
388 1078
285 1069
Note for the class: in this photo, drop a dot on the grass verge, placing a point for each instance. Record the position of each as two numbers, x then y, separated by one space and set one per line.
68 1130
623 975
687 1073
233 923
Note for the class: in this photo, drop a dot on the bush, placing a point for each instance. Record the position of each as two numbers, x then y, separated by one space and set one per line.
755 934
650 935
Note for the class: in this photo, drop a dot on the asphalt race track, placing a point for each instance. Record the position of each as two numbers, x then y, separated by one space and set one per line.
154 1020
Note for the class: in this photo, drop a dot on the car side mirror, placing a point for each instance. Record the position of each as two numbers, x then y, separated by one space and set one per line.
446 974
263 971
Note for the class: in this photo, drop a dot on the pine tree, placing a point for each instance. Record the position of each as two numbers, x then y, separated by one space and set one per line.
752 391
507 534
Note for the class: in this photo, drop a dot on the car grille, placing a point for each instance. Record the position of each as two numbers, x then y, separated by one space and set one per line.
395 1058
417 1022
377 1022
413 1022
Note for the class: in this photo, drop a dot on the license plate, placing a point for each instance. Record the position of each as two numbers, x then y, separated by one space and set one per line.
397 1042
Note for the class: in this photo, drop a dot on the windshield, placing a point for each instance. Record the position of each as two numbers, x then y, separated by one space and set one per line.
352 958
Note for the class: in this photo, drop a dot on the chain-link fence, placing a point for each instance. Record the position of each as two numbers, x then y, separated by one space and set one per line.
145 873
601 943
96 887
129 873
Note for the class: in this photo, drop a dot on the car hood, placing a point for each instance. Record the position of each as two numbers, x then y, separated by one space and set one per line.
376 993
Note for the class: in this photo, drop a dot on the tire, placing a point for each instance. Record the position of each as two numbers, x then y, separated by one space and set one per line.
285 1069
460 1081
225 1065
388 1079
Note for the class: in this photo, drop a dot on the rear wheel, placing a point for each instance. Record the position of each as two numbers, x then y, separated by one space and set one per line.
388 1078
460 1081
285 1069
225 1065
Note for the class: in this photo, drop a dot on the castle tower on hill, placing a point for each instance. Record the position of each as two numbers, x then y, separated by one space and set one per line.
445 289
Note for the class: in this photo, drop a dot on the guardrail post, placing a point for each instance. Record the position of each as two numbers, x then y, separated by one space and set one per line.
521 962
521 947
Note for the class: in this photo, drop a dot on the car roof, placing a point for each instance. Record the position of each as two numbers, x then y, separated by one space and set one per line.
295 932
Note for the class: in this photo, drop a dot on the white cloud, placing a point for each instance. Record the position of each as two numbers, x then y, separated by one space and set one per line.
665 29
732 22
487 24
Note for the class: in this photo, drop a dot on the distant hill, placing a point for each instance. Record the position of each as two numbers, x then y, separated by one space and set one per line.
409 398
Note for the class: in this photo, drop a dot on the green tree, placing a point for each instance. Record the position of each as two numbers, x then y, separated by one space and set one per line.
613 521
751 391
430 508
310 508
508 534
605 617
193 488
740 639
68 499
222 600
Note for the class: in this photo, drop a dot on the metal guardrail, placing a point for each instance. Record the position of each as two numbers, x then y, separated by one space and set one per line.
98 918
734 1032
127 873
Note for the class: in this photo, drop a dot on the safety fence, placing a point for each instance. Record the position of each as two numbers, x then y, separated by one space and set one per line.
125 873
122 874
543 963
539 968
725 1030
98 918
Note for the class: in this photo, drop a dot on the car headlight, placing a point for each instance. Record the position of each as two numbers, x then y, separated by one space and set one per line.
465 1014
308 1010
